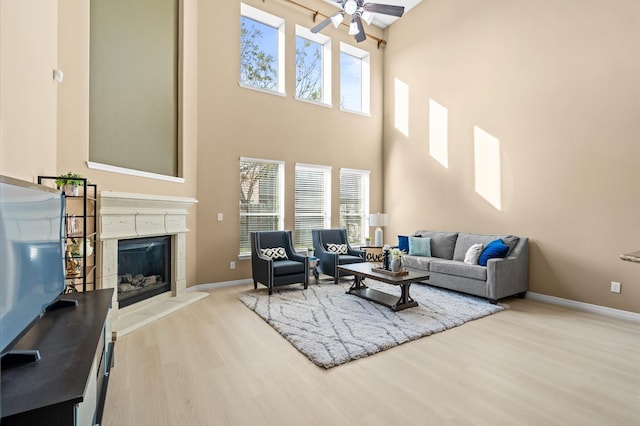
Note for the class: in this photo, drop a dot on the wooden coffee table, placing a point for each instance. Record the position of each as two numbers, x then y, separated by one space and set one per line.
364 270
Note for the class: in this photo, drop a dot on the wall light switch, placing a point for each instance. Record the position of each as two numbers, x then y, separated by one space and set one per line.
219 217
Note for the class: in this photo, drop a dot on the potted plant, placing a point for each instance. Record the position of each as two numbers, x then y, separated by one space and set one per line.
396 259
69 183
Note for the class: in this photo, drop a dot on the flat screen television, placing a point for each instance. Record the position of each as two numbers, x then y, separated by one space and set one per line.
31 255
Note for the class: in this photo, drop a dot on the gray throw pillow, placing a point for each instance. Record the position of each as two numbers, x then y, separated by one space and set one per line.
442 243
511 241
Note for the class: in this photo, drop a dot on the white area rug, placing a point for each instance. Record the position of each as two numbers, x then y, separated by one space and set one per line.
331 327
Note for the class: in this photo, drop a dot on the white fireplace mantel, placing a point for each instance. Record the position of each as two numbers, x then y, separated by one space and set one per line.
129 215
126 215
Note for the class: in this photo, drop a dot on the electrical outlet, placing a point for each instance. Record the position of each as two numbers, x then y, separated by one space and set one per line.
232 265
615 287
220 216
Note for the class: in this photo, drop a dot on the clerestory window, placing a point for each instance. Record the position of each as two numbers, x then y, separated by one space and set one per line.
313 66
355 77
261 50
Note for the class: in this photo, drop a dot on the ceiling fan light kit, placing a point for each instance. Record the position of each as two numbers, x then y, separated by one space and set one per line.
336 19
368 17
358 10
353 28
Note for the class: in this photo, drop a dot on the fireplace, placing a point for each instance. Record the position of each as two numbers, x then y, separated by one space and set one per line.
127 217
144 268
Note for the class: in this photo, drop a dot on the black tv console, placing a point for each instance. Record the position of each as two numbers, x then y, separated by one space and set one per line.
67 386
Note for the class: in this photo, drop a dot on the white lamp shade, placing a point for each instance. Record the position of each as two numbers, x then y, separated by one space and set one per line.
379 219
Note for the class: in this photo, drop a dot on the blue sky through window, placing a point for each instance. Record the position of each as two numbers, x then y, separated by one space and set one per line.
350 82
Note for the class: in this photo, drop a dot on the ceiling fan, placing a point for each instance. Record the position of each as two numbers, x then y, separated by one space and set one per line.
358 10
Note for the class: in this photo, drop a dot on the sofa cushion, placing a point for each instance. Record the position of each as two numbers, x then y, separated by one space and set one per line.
460 269
473 254
492 250
345 259
442 243
466 240
511 241
419 246
416 262
403 243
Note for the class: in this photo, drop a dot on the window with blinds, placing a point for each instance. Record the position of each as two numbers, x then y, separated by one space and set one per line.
354 204
261 198
312 202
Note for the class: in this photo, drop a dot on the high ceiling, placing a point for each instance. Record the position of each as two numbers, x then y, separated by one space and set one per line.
383 21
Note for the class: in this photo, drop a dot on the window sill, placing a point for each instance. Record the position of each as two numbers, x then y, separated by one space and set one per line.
319 103
364 114
133 172
257 89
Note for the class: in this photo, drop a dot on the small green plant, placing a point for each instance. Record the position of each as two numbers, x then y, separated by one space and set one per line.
68 178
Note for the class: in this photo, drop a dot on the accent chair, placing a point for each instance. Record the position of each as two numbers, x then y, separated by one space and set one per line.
332 248
274 261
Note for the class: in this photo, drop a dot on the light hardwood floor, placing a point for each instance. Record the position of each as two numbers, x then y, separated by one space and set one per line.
217 363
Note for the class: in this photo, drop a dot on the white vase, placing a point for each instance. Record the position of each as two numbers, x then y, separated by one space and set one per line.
395 265
71 189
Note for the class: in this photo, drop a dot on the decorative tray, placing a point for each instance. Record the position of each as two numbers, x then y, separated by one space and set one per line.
386 272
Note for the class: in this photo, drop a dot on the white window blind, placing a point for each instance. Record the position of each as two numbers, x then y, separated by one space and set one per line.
261 198
354 203
312 202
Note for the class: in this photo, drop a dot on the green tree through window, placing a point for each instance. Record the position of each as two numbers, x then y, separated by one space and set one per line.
308 69
258 50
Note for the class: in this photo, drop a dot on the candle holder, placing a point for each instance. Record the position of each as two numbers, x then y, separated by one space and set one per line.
385 259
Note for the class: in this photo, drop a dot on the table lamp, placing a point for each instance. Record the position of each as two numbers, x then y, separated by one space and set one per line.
378 220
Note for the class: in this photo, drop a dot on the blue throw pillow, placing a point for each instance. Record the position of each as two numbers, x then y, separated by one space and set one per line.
419 246
494 249
403 243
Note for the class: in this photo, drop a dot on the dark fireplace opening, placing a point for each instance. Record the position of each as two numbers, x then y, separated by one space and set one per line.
144 268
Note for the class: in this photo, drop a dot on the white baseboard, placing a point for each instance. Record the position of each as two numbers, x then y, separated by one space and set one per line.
617 313
209 286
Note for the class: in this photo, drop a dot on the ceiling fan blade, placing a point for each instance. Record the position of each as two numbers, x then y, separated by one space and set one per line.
361 36
321 25
385 9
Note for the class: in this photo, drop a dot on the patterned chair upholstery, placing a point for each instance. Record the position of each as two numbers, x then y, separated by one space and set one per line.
272 270
329 259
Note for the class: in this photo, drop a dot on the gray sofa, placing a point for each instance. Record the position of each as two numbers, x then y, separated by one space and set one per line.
502 277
